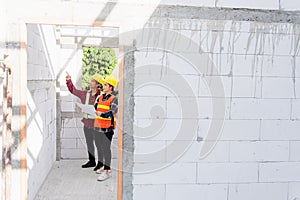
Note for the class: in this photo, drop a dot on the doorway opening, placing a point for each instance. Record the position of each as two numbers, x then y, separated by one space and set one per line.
55 140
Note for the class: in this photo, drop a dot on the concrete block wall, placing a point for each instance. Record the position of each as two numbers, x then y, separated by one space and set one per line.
256 154
41 105
254 111
72 137
73 144
1 111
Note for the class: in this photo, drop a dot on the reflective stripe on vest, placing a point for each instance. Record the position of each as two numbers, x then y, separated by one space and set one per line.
87 99
104 106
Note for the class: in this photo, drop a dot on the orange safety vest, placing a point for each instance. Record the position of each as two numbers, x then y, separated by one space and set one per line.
104 106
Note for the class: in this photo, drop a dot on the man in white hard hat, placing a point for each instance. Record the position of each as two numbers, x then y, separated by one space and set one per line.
87 97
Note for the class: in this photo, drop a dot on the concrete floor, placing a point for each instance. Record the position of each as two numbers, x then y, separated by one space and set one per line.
68 181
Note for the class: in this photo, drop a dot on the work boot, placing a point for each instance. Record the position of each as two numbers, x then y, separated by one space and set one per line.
89 164
99 165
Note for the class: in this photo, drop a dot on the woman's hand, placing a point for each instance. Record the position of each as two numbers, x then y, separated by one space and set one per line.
98 113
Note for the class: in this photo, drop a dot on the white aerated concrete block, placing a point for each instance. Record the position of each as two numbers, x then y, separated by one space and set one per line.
145 86
215 41
186 41
180 85
241 130
279 45
290 5
152 58
149 107
146 191
190 151
67 106
149 151
259 151
280 130
297 87
72 123
166 129
215 86
196 191
72 133
181 107
186 63
243 43
68 143
274 191
246 87
297 66
222 64
245 65
205 108
80 143
279 172
213 108
227 172
260 108
294 150
163 173
295 109
277 66
194 107
278 88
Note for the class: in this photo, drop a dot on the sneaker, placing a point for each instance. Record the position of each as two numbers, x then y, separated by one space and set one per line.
101 170
89 164
103 176
99 165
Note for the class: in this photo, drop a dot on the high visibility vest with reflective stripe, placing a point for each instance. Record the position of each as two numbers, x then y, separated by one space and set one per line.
87 99
104 106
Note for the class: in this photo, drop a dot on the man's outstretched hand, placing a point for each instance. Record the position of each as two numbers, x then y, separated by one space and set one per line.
68 77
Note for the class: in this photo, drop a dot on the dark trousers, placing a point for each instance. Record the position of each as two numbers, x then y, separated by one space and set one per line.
89 139
103 144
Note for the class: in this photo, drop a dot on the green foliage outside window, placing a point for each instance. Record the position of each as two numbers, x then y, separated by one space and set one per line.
97 61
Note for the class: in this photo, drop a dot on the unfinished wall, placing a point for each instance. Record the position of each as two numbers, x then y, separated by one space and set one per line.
256 154
41 105
72 137
267 116
1 112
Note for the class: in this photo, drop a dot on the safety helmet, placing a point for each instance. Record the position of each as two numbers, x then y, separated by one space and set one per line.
98 78
111 80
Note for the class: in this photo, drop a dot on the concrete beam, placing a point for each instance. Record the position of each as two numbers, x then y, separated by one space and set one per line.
240 14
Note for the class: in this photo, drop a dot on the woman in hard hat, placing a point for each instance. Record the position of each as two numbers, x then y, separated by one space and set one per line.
87 97
106 107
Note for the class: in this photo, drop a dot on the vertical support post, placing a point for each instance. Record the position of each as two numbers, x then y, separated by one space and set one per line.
120 124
